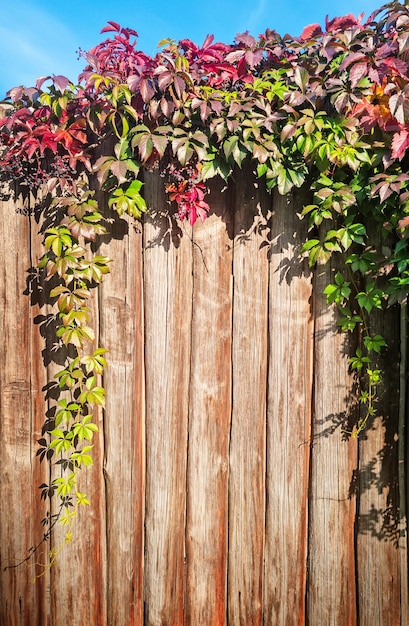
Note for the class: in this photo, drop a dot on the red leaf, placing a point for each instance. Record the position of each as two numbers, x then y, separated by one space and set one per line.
358 71
311 31
208 41
341 23
113 27
404 222
400 143
129 31
397 65
146 90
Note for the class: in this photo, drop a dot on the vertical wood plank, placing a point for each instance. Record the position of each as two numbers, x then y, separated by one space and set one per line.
121 333
38 381
21 415
382 584
248 436
332 574
290 381
168 304
209 418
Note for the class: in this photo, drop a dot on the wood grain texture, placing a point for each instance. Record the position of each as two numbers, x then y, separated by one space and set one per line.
38 382
209 418
247 453
21 417
332 575
382 583
289 400
168 305
121 333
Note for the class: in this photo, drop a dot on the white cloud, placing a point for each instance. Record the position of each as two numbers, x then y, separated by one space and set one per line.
34 43
256 15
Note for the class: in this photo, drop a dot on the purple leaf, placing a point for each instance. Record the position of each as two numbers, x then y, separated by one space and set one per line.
234 56
358 71
119 169
15 93
167 107
134 81
40 81
246 39
341 101
254 58
352 58
61 82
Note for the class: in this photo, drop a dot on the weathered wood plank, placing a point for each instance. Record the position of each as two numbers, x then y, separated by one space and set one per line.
248 428
332 574
121 333
382 584
209 418
21 416
290 378
168 305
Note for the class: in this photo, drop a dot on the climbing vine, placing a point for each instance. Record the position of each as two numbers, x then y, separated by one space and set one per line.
328 110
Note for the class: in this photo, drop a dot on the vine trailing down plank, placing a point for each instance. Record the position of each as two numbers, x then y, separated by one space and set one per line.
327 111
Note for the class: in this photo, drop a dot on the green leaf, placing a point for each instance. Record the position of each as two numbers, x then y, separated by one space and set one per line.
82 498
371 298
358 361
374 343
284 181
338 292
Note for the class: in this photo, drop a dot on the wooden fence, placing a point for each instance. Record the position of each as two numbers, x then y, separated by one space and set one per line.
225 489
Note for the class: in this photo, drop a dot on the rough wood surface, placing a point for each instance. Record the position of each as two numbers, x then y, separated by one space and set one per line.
209 419
247 453
168 305
331 567
382 582
21 409
121 333
290 349
224 490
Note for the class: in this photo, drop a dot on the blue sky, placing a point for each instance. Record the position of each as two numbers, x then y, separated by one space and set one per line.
39 38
